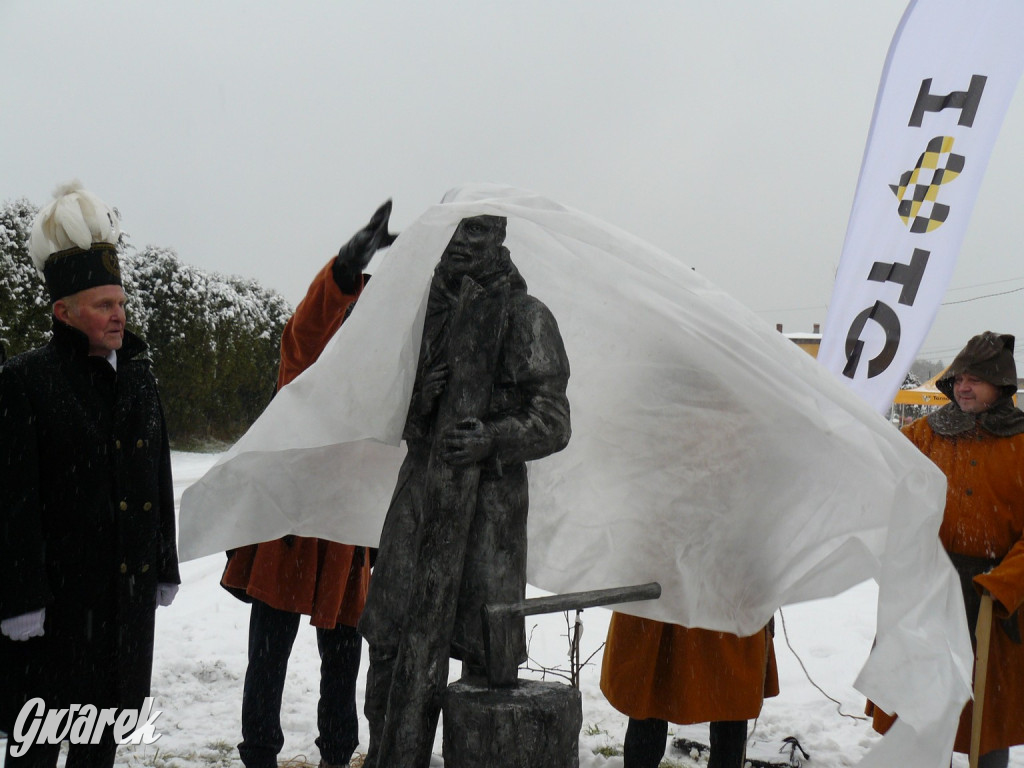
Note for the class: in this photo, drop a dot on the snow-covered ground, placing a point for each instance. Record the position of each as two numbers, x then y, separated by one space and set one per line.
200 660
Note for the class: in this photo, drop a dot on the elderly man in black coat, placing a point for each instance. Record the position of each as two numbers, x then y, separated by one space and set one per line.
87 542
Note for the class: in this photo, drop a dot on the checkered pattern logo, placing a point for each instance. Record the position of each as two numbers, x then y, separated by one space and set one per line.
919 187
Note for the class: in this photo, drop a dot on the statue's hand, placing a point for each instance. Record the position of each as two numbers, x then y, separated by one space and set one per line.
468 442
431 387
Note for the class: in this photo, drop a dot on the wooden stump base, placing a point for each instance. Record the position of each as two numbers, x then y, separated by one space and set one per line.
534 725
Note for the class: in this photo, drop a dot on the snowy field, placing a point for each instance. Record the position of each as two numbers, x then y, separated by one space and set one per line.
200 661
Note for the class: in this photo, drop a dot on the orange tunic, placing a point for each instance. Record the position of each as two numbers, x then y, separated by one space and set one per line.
984 517
683 675
323 579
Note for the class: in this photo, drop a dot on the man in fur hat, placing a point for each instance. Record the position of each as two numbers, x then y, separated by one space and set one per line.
87 541
977 440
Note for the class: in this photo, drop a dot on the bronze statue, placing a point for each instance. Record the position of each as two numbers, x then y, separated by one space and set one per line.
489 396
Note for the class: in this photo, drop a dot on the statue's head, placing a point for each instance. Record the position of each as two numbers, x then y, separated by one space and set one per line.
476 247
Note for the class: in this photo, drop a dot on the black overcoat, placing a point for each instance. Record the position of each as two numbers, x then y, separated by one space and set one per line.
86 522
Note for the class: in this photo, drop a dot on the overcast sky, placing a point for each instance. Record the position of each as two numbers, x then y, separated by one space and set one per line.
255 137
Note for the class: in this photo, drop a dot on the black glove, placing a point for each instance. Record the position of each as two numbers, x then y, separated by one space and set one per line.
354 255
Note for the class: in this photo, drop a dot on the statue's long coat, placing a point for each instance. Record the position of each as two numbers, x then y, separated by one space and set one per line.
529 414
86 523
325 580
984 518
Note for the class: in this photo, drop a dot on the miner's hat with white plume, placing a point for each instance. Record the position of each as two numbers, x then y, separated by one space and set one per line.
74 242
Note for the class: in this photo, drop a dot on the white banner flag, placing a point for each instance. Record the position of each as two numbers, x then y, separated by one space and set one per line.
950 73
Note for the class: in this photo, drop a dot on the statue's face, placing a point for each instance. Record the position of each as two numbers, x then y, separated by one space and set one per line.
476 242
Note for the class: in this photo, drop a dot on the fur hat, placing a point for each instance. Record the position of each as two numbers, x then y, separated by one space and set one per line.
73 243
989 356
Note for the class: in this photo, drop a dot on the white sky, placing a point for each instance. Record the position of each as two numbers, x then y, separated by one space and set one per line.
255 137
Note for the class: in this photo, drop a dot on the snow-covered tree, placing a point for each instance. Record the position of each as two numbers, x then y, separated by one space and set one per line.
24 305
214 342
910 382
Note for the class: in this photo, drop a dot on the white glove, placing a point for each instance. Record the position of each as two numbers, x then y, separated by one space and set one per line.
24 626
165 594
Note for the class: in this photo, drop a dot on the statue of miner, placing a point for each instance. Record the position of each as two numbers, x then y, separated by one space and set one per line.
489 395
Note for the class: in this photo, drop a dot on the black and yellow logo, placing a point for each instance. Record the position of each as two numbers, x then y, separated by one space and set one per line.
918 189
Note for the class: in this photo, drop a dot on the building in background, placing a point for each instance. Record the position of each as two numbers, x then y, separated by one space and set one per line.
808 342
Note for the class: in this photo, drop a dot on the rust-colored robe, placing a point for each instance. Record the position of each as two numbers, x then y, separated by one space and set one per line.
683 675
323 579
984 517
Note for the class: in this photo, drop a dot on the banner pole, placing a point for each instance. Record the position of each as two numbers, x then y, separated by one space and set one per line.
982 633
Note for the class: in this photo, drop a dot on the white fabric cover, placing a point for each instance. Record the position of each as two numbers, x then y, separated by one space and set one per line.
709 454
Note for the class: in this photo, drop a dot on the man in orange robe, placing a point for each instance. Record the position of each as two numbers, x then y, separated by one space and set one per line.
658 673
977 440
295 576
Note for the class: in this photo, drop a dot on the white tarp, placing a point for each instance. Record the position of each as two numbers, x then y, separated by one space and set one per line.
949 76
708 453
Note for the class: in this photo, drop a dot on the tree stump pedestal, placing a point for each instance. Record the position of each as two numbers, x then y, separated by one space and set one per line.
531 725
